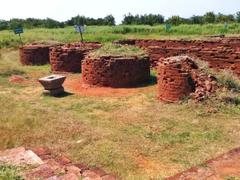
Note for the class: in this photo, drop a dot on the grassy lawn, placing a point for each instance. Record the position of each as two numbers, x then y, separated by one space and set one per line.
111 33
135 136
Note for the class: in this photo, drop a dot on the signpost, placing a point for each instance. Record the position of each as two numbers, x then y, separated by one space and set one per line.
19 31
168 27
226 25
80 29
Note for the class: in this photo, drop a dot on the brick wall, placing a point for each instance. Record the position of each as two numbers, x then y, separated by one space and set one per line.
115 71
34 54
68 58
220 54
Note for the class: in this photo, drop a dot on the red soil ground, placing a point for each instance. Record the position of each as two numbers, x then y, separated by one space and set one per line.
17 79
75 85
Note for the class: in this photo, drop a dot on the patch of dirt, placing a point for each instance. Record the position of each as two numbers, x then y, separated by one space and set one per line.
226 165
75 85
17 79
153 168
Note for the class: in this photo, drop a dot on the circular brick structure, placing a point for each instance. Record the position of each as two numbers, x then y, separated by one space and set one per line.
115 71
174 81
34 54
68 58
180 76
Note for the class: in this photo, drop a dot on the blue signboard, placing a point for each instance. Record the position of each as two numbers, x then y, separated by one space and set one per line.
168 27
79 29
18 30
225 25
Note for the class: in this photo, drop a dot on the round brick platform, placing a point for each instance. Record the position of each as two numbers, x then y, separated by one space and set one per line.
115 71
173 82
68 58
34 54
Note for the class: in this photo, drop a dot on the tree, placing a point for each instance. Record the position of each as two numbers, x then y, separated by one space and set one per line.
51 23
146 19
221 18
175 20
3 25
128 19
196 19
230 18
109 20
79 20
238 17
152 19
32 22
209 17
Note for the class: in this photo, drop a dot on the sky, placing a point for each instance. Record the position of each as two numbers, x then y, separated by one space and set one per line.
63 10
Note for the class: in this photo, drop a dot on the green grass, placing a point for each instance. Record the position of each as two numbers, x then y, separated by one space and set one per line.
111 33
9 173
135 136
118 50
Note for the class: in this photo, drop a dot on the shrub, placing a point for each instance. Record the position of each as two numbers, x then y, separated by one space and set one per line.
228 80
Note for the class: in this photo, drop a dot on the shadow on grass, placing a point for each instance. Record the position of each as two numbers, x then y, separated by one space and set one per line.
63 95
